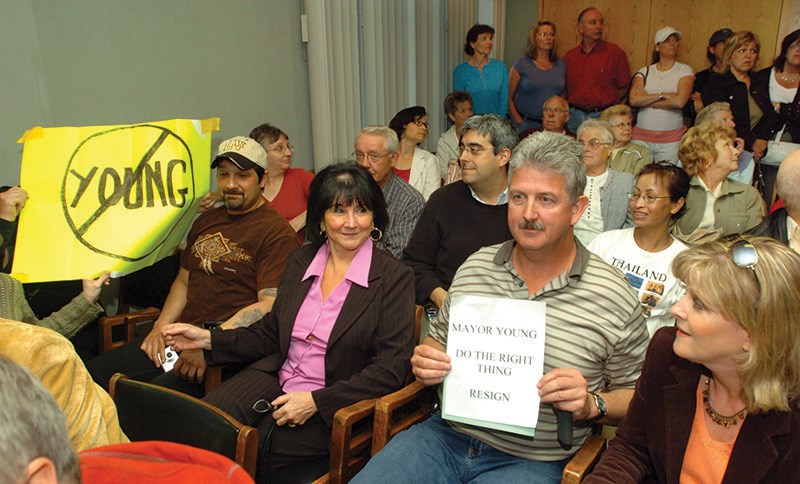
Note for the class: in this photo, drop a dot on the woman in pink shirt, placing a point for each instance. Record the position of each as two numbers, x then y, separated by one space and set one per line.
341 330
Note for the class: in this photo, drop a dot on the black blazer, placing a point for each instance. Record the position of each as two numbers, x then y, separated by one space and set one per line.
773 226
369 348
726 88
652 437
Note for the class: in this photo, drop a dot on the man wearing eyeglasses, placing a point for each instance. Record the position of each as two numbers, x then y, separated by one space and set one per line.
376 151
555 114
464 216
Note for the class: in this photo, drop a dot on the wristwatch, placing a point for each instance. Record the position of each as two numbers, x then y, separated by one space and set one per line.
601 407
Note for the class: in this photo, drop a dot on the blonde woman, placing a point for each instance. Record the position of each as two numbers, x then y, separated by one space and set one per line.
717 400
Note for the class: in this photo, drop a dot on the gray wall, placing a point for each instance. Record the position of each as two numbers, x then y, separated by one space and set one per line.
104 62
520 17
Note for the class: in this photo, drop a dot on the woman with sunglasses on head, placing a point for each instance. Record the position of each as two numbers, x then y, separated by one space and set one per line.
645 252
420 168
717 400
341 330
535 77
625 155
660 91
709 154
286 188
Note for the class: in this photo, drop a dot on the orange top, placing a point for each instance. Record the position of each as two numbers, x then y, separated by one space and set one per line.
705 460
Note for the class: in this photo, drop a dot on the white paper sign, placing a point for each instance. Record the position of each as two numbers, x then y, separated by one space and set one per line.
496 348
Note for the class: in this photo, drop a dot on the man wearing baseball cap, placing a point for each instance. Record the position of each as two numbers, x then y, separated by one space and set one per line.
234 257
716 44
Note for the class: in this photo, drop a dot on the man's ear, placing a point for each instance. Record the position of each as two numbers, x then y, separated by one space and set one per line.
503 157
41 470
393 159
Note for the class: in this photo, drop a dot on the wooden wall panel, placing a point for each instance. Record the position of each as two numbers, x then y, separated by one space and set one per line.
790 20
698 19
632 24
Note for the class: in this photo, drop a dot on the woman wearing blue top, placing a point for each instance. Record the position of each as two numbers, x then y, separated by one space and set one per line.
485 79
535 77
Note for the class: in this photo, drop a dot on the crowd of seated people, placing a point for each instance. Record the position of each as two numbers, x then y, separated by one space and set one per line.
628 229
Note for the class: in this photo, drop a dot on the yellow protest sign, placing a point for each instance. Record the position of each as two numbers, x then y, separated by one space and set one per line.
108 198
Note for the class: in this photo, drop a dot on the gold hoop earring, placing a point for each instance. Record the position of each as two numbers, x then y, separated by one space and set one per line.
374 237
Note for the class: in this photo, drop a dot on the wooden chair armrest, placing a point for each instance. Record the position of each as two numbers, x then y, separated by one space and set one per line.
386 425
347 449
129 320
584 460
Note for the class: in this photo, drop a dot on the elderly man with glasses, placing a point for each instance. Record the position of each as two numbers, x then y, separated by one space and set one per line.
555 114
376 151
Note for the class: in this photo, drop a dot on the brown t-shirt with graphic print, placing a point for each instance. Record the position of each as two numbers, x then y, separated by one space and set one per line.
230 258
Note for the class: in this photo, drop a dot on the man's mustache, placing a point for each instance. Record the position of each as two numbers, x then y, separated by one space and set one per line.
531 226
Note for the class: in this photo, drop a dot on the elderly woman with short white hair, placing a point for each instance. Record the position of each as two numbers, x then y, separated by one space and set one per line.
606 189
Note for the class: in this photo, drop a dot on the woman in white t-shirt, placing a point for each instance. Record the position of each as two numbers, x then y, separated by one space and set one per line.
660 91
644 253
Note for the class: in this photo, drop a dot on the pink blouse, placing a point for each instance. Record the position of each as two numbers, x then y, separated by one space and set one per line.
304 368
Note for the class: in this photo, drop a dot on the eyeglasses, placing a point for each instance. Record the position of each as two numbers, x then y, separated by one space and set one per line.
546 34
622 125
795 45
421 123
646 196
555 111
594 143
474 150
743 253
282 149
373 157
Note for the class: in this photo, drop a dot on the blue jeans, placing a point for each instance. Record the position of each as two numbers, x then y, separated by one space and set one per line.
432 451
576 117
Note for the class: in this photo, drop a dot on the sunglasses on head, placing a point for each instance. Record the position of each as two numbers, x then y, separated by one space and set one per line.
743 253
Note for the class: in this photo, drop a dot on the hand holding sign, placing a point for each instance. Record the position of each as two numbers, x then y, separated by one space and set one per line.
497 351
567 390
430 364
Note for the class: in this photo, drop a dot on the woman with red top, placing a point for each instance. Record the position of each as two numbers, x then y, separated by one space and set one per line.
287 188
717 400
418 167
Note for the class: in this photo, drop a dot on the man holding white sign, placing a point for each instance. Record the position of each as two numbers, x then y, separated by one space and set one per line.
594 344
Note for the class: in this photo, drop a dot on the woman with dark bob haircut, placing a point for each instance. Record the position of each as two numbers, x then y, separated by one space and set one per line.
341 330
418 167
718 399
485 79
